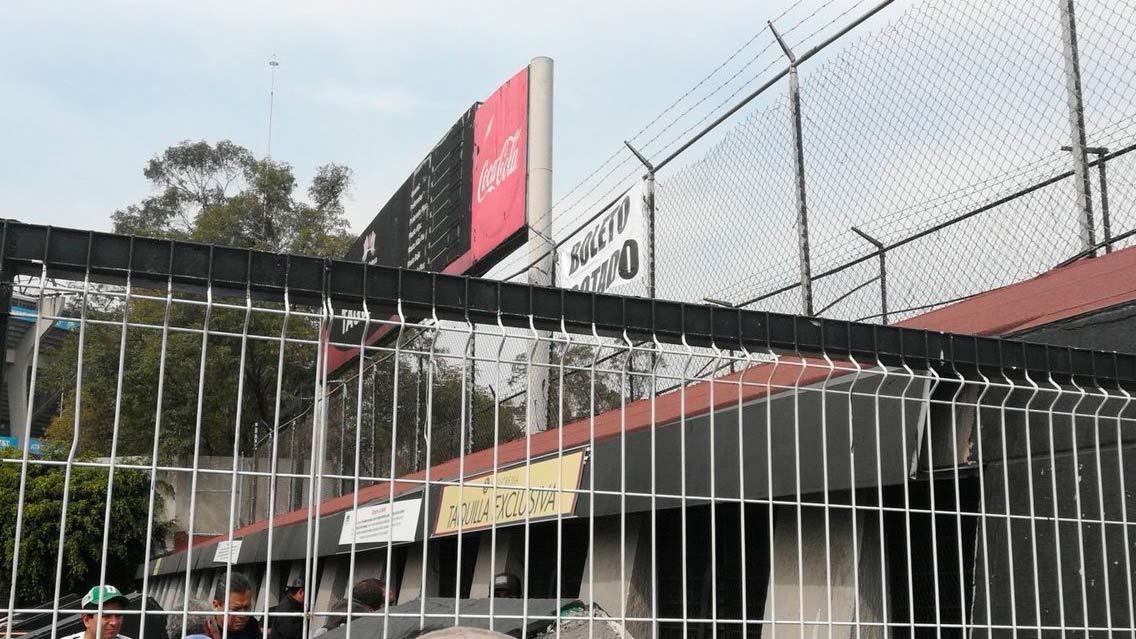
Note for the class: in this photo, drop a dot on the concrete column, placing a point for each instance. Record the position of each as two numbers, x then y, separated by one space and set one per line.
800 588
411 585
17 375
264 591
333 571
538 203
370 564
510 557
620 570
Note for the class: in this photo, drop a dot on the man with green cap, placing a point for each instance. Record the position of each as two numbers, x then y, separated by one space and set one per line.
107 624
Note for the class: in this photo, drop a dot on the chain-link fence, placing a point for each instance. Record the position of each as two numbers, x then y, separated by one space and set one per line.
948 110
935 128
936 135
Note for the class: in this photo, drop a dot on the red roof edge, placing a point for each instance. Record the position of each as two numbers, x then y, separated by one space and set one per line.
1083 287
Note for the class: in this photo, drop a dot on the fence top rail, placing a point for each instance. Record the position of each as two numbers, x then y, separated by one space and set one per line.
31 249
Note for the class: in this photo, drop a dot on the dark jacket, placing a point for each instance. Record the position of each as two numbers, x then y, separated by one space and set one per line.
286 627
336 621
250 631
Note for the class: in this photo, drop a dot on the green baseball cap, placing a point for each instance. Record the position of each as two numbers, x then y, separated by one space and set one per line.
102 595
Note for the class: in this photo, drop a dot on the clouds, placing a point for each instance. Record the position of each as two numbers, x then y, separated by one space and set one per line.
368 84
372 100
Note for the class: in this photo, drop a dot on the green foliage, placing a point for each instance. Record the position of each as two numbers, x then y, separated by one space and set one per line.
222 194
577 381
83 542
219 194
450 430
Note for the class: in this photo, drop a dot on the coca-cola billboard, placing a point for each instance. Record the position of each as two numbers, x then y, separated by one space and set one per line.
459 212
500 141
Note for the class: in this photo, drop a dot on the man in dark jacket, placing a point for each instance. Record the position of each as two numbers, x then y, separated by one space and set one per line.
368 595
236 595
288 626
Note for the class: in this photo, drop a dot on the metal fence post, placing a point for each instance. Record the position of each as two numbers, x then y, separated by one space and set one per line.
882 251
650 201
799 171
5 315
1106 224
650 179
651 290
1077 124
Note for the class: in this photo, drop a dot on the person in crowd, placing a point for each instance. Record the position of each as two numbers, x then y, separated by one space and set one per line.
459 632
199 623
107 624
288 626
368 595
506 585
239 594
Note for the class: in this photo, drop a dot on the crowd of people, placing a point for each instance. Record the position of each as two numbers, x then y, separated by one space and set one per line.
230 614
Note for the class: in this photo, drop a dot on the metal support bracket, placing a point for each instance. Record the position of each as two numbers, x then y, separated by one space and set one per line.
882 251
1102 161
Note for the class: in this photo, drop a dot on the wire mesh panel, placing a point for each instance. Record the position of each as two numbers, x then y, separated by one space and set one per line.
780 476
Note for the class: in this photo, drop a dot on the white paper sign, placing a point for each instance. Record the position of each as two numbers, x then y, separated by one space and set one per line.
609 252
376 525
227 552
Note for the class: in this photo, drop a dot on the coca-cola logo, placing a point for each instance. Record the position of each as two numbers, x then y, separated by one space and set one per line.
496 170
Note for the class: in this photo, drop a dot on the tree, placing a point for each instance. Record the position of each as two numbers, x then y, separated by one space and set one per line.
577 381
83 541
221 194
449 433
214 193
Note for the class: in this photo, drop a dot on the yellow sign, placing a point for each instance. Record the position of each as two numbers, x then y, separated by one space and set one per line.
532 491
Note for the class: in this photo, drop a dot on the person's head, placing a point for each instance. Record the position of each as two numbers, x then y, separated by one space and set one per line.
371 593
109 623
506 585
238 593
295 590
459 632
199 621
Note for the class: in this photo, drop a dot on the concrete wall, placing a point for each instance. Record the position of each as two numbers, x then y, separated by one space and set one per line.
617 575
803 587
214 493
410 586
510 557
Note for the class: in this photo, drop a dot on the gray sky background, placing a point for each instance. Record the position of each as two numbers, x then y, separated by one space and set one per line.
92 92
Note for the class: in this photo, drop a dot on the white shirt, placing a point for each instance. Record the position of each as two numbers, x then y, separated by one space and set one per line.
82 634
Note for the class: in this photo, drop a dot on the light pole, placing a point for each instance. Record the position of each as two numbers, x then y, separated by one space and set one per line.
271 97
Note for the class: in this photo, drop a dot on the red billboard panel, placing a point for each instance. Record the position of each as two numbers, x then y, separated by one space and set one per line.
500 143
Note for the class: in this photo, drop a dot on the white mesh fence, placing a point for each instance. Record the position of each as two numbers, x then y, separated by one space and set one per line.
781 492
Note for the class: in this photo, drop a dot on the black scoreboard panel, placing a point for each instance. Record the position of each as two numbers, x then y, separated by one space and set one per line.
387 245
425 225
439 215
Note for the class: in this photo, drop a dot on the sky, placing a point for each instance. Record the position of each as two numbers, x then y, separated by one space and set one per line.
93 90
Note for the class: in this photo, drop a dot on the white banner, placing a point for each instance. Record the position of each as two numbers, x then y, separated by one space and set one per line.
375 523
226 552
611 251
